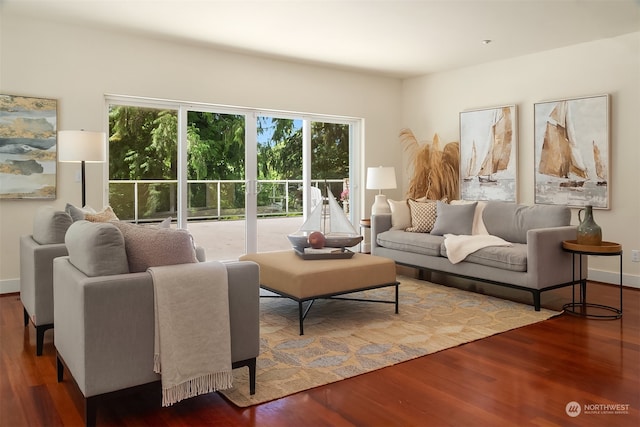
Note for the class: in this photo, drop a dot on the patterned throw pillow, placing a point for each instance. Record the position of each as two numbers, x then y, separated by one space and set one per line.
423 216
104 215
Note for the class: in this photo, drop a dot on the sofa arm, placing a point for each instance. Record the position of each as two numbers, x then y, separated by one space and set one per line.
104 328
547 262
244 309
36 278
379 224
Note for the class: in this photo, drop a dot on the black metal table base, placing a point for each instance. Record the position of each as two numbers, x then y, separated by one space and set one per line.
580 309
303 311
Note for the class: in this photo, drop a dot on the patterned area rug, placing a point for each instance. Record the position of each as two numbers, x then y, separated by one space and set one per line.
346 338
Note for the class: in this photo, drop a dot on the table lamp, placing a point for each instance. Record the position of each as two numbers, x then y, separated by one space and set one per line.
81 146
381 178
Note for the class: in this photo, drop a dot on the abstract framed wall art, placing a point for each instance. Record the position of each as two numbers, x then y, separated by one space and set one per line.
488 154
572 152
27 147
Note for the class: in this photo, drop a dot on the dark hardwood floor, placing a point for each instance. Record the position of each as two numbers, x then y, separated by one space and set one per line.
523 377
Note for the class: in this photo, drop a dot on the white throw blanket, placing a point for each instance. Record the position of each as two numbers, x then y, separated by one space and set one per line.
459 246
192 348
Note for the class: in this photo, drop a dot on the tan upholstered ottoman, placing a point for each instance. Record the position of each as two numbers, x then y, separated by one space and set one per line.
288 275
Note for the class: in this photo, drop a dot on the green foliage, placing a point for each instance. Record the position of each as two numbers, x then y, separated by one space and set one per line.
143 146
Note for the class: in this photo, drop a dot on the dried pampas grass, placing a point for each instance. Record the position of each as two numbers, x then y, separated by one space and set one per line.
435 172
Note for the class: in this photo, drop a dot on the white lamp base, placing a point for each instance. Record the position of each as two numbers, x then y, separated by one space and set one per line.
380 206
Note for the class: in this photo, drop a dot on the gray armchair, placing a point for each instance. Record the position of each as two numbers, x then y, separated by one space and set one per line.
105 322
37 252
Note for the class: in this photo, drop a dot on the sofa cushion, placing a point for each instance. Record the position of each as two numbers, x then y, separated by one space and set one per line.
419 243
96 249
105 215
153 246
454 219
513 258
511 221
50 225
423 216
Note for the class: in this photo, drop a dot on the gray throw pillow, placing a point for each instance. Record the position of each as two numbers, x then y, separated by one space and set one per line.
50 225
96 248
454 219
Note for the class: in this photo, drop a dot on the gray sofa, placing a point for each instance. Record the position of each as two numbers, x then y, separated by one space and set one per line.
535 262
104 314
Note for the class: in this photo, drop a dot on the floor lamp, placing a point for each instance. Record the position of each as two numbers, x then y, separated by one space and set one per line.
381 178
81 146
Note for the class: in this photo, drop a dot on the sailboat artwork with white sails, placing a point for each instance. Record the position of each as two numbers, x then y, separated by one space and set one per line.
334 224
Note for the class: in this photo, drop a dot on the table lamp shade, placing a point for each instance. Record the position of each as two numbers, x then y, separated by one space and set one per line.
80 145
381 178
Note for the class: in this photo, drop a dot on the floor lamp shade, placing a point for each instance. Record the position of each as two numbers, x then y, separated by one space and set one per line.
381 178
81 146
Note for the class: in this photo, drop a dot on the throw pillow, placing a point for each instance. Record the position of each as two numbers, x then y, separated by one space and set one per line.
152 246
77 213
454 219
400 214
50 225
423 216
104 215
96 249
166 223
478 224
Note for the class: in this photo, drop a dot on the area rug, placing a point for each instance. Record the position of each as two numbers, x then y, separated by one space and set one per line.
346 338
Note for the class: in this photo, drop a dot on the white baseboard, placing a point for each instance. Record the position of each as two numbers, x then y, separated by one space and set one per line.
9 286
612 277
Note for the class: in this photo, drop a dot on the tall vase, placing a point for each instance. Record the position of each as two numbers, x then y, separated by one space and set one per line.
589 233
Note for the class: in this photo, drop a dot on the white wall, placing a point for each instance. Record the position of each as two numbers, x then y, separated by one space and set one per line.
78 66
432 104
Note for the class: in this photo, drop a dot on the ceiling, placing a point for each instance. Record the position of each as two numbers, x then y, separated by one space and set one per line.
397 38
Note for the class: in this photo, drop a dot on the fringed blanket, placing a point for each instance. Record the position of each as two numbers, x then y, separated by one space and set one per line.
192 348
458 247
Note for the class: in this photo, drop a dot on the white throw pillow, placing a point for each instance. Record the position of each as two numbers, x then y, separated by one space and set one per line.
400 214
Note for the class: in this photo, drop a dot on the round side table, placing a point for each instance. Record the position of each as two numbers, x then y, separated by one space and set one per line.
581 306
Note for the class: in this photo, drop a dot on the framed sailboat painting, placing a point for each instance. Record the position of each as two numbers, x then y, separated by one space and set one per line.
488 154
572 152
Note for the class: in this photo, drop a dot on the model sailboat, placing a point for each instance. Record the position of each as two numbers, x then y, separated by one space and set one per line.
499 152
337 230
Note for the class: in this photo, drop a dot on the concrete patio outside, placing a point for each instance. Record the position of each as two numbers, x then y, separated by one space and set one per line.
225 240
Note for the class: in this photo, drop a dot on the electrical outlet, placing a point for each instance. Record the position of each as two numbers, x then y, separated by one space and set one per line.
635 255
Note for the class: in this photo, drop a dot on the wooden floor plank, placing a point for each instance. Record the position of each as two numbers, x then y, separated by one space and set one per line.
521 377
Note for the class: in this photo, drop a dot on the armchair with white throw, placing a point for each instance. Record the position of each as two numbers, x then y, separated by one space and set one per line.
105 312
